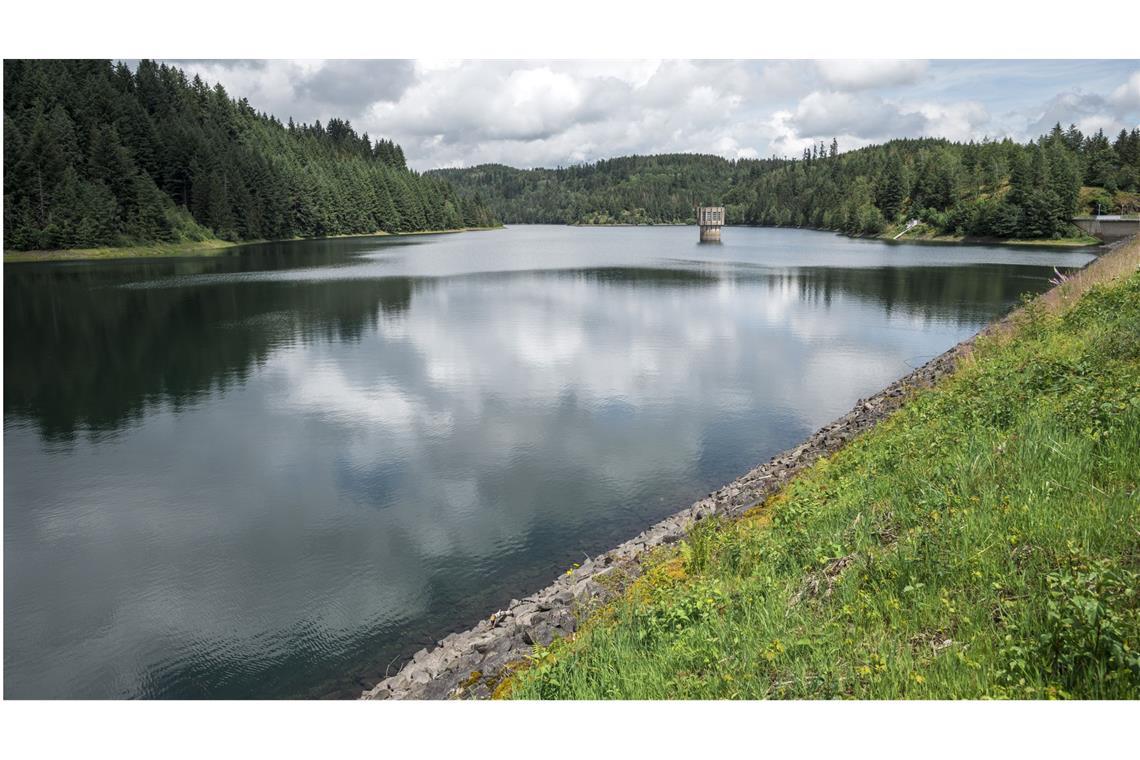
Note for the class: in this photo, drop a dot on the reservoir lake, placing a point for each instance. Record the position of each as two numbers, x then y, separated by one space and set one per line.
276 472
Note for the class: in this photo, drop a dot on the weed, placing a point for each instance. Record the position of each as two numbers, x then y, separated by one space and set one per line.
984 541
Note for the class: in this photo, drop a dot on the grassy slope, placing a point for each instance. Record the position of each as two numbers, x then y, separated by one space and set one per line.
1086 204
158 250
923 232
983 542
148 250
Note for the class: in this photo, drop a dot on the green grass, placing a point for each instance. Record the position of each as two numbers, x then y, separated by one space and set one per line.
189 248
984 542
924 233
147 250
1077 241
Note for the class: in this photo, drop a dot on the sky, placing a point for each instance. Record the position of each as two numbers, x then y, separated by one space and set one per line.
556 113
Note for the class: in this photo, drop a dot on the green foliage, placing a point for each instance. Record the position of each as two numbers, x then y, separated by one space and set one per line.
98 155
687 607
660 189
1080 636
987 189
982 542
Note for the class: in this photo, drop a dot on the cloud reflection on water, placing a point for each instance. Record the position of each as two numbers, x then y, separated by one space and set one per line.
298 478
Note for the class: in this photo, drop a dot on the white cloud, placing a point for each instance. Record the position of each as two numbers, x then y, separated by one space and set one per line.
1127 95
955 121
865 74
308 89
1066 108
1090 125
557 112
550 113
859 119
863 115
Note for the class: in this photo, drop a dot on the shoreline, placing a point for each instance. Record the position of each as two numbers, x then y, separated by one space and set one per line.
475 663
196 248
1085 242
215 247
886 237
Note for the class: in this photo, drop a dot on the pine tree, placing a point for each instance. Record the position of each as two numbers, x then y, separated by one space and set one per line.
98 154
1099 161
892 189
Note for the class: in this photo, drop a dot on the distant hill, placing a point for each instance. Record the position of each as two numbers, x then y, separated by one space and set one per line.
988 189
660 189
998 189
98 155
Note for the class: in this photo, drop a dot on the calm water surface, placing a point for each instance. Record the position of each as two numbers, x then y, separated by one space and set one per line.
270 473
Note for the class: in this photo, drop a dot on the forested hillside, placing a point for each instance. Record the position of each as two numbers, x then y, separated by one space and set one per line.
998 189
629 190
98 155
988 189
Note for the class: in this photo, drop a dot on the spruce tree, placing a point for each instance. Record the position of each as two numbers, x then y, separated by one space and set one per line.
892 188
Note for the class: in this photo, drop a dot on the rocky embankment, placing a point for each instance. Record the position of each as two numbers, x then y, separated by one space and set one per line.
471 664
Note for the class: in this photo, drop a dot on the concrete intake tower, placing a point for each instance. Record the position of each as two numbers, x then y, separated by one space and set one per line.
710 219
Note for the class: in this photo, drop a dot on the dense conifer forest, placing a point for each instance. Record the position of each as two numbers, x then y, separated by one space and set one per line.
998 189
987 189
98 155
658 189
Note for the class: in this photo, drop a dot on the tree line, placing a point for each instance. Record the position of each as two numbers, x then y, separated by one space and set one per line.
987 188
96 154
999 189
658 189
